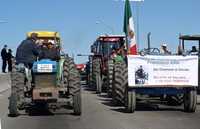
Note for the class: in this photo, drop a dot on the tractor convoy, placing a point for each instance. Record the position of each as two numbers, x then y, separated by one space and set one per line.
125 78
56 83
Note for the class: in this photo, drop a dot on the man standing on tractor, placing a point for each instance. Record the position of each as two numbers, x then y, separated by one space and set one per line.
27 51
164 49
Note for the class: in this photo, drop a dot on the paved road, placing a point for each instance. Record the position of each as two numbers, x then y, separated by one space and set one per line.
4 81
99 113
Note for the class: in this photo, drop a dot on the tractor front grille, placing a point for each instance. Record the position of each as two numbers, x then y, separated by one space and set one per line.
45 80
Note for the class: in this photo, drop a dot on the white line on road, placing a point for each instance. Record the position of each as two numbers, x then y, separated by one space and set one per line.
0 123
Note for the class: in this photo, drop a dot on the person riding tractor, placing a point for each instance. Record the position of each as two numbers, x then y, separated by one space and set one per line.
43 76
27 51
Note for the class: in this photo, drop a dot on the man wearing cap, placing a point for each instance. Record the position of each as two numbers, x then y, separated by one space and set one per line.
164 50
4 58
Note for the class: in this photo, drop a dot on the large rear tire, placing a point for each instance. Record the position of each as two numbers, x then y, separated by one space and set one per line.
190 100
120 82
77 103
73 83
16 98
110 77
13 109
97 75
98 84
90 81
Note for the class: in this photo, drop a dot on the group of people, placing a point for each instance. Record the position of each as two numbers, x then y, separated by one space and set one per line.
6 55
48 51
30 50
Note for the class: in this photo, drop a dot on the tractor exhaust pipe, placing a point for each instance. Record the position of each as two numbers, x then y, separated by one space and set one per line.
149 42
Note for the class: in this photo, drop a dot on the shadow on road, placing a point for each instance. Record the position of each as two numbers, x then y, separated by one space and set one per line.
140 106
39 112
89 89
148 107
46 112
103 95
43 111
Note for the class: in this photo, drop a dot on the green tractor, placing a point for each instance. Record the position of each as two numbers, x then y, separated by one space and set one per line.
56 83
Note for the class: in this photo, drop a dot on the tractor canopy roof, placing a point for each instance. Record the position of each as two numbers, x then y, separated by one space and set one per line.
45 34
111 38
47 38
189 37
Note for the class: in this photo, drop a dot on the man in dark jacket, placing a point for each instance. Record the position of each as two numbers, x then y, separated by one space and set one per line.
27 51
9 59
4 58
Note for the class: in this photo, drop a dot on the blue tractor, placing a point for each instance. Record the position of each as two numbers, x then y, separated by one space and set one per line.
53 83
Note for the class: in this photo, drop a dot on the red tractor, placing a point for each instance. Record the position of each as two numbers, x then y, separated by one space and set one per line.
81 67
101 62
82 70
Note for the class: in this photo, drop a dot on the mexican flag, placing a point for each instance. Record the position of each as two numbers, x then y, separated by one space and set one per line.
129 29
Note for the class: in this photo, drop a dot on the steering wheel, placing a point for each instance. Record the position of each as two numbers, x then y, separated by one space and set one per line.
151 51
154 51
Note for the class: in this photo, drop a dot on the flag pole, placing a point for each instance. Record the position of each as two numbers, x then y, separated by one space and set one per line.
126 34
127 46
138 25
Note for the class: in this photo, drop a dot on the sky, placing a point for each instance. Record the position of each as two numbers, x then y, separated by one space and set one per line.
76 20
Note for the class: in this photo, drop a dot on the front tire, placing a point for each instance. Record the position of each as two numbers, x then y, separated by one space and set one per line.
73 83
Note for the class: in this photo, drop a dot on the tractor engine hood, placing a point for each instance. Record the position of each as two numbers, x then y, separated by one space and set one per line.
45 66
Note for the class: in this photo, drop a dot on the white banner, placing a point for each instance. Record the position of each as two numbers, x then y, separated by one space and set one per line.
155 71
